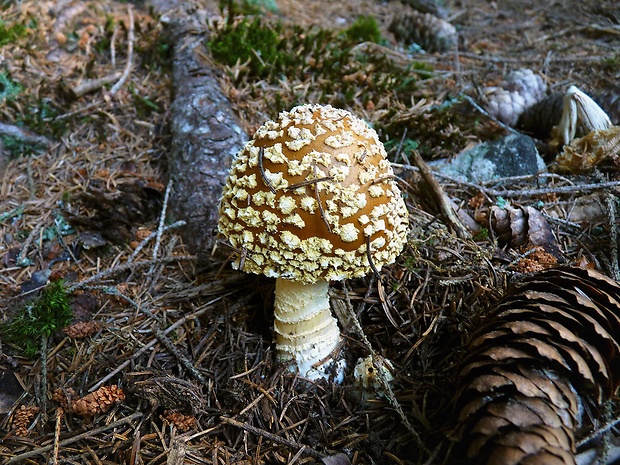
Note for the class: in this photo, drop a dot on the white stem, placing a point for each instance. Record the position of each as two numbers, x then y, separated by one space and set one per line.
306 331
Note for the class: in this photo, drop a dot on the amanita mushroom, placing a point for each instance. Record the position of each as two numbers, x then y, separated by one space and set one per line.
311 199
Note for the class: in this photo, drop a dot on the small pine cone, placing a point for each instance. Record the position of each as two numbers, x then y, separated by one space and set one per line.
523 226
22 418
431 33
182 422
64 397
99 401
82 329
520 90
547 353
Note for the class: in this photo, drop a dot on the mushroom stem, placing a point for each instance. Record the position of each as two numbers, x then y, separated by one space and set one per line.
306 331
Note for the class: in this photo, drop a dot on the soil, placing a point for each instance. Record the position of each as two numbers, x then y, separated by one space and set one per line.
179 356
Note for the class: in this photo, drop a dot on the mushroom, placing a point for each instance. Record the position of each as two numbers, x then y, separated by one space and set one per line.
311 199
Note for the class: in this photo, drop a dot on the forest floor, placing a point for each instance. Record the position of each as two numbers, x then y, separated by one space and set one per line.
162 360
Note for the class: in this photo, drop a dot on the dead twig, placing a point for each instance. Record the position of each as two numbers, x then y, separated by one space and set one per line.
440 197
473 103
150 344
175 225
59 414
261 168
76 438
127 267
519 192
130 41
91 85
162 219
613 237
167 343
273 437
23 135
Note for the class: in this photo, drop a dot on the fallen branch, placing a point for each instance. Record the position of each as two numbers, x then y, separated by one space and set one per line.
519 192
23 135
440 197
92 85
168 344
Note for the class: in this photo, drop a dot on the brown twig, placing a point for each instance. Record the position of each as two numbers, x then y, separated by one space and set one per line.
126 267
309 182
150 344
59 414
370 262
78 437
273 437
261 168
317 194
167 343
440 197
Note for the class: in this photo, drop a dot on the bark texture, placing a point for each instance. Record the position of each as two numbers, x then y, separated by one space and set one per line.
205 132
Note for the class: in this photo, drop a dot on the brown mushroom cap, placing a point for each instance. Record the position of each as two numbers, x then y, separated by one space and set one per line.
311 197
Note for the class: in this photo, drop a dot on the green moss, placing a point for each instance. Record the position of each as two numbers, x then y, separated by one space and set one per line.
10 33
363 29
9 89
254 43
310 64
40 116
482 235
16 148
40 318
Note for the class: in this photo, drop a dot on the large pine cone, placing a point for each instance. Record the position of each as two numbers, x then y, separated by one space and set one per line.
521 89
548 352
431 33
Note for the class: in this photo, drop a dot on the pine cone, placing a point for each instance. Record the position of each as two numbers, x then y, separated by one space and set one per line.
181 421
22 418
431 33
99 401
64 397
548 352
523 226
521 89
82 329
540 118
